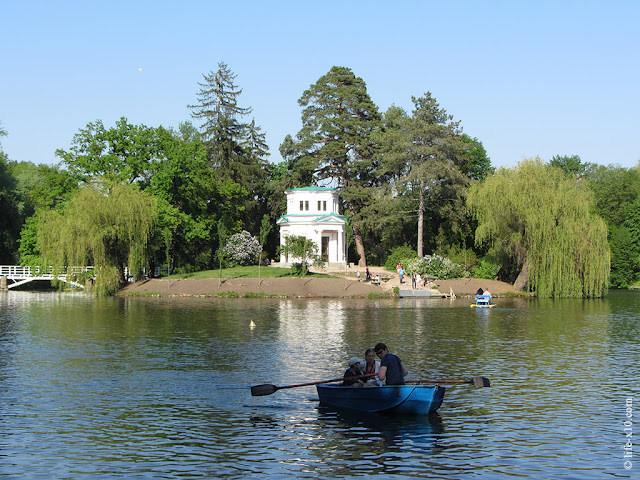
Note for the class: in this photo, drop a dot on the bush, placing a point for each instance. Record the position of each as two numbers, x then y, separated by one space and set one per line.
486 269
241 249
400 254
435 266
299 269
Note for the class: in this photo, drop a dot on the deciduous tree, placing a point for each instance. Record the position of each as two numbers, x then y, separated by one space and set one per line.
543 223
108 229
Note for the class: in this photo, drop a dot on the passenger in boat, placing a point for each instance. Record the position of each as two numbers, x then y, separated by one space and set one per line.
480 291
352 371
487 296
369 366
391 367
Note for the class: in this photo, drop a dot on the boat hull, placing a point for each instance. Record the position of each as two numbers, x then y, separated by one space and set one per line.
402 399
482 305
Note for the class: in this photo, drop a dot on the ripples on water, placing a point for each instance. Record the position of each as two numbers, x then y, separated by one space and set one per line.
157 388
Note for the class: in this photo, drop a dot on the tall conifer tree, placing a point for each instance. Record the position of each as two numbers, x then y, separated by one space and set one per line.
237 150
338 118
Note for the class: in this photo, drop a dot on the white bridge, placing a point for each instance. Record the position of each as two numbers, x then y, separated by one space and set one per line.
17 275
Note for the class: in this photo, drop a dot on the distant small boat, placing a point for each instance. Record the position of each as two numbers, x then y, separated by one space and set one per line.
483 301
401 399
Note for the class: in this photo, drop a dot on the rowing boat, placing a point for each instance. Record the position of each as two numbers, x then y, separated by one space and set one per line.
403 399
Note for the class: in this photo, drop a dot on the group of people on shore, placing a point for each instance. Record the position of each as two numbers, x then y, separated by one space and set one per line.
416 278
389 370
369 277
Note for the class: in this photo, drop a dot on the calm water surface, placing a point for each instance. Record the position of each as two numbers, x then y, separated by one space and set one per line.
159 388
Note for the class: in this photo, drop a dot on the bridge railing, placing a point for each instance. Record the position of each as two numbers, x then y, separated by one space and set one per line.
17 271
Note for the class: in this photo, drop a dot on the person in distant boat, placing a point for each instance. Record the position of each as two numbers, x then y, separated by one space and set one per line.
480 291
371 366
487 296
392 370
352 371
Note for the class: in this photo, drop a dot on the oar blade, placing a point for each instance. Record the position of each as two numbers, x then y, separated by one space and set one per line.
260 390
481 382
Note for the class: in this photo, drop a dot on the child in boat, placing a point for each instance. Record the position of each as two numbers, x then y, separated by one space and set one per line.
352 371
369 366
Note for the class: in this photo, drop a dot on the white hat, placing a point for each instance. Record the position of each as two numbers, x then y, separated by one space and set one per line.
353 361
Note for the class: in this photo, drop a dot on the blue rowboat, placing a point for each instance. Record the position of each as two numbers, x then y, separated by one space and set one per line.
404 399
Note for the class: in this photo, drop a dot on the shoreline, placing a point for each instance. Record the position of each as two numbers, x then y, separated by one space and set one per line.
304 287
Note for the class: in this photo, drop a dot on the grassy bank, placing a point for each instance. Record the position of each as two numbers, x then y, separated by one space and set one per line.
244 272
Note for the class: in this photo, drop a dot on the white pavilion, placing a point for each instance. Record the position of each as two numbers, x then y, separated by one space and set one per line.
312 212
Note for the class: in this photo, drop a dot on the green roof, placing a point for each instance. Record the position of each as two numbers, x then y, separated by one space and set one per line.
312 188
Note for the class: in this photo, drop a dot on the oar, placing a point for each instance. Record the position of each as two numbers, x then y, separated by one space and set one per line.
475 381
268 389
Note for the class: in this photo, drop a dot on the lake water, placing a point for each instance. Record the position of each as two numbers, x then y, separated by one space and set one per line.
159 388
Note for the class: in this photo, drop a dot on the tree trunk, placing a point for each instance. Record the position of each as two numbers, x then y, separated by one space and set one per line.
357 237
421 220
523 276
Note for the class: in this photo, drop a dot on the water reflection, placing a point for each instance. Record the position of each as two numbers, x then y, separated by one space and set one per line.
159 388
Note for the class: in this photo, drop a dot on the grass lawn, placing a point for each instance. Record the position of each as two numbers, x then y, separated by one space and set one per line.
243 272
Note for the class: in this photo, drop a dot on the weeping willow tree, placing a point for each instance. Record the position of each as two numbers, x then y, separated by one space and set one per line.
542 221
108 229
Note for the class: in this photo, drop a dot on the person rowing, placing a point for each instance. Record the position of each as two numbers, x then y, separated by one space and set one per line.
391 367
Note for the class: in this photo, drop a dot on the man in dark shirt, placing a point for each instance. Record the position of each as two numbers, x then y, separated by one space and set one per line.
391 367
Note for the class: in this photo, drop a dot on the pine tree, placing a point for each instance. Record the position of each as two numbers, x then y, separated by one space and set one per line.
338 118
423 152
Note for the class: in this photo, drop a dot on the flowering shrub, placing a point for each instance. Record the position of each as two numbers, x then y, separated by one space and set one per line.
240 249
435 266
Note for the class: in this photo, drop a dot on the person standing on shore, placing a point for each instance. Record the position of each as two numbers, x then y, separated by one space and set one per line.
391 367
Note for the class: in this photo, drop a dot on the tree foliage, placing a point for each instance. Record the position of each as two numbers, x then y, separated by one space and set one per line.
108 229
301 252
617 194
237 150
10 219
335 142
174 167
542 223
423 152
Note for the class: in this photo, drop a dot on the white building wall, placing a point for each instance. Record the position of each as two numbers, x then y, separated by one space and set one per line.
315 204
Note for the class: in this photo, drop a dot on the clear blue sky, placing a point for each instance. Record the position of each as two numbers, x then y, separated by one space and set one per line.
528 79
